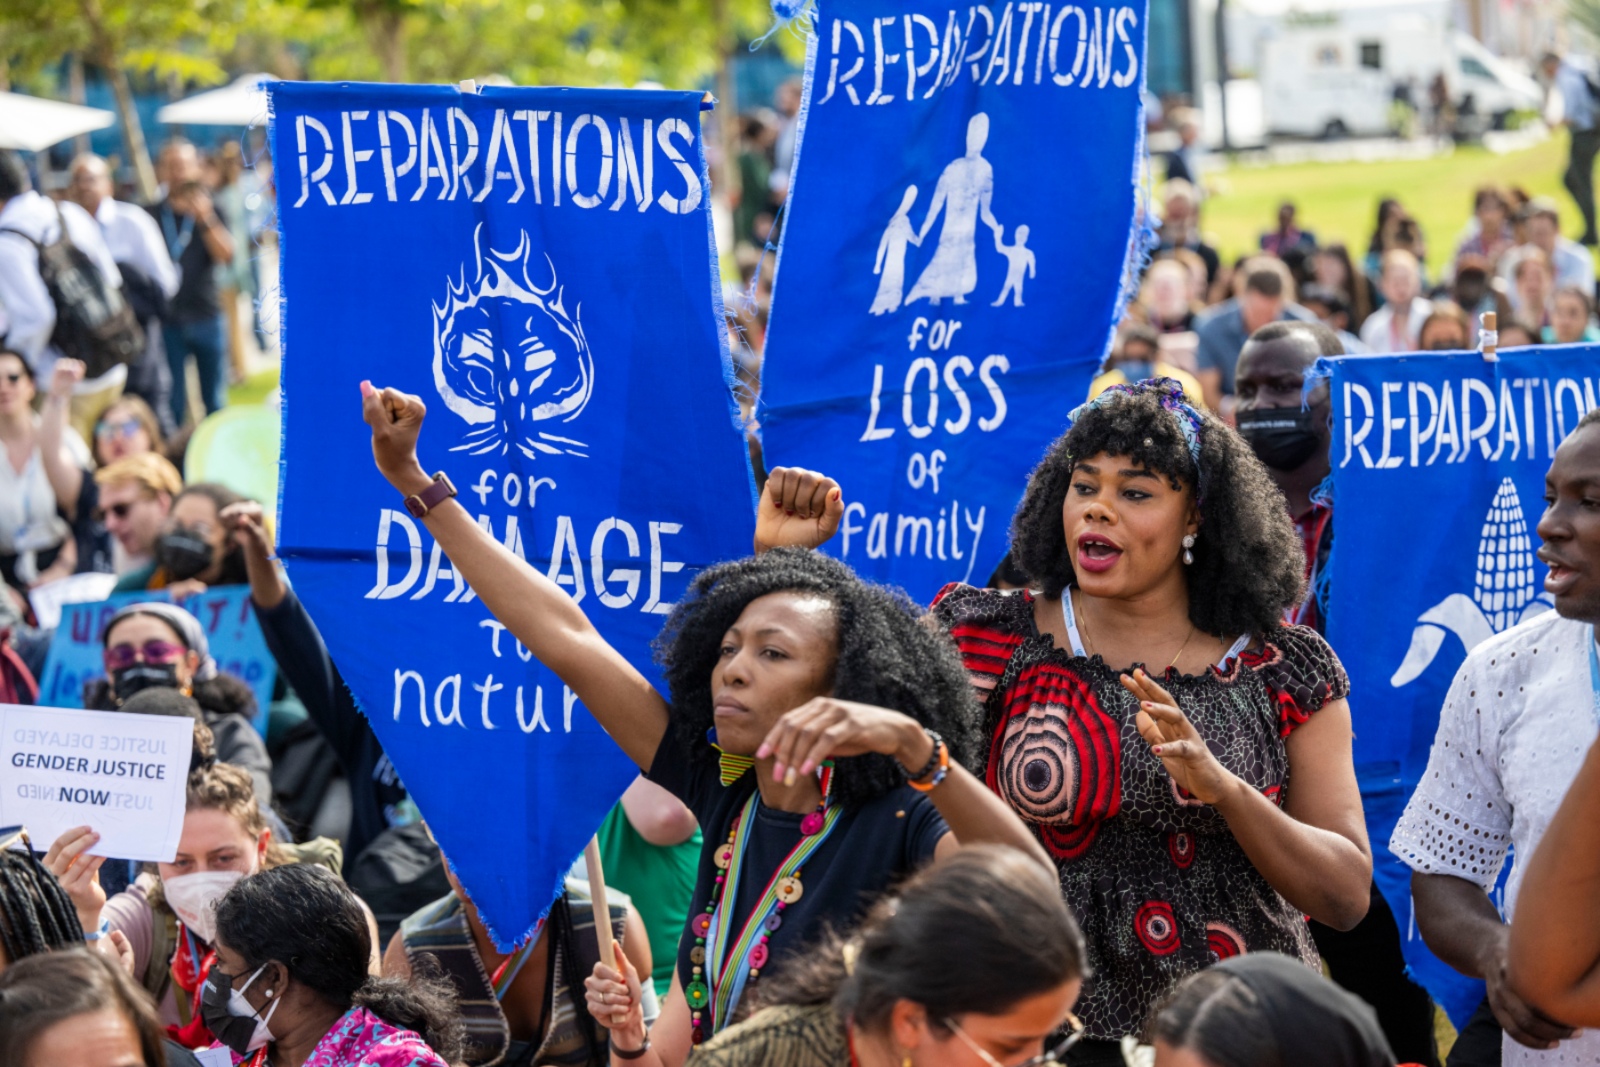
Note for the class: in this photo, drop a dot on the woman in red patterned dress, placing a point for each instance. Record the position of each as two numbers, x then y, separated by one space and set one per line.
1147 711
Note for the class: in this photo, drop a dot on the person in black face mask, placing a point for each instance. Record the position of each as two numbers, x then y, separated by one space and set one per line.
1291 436
290 982
159 645
194 550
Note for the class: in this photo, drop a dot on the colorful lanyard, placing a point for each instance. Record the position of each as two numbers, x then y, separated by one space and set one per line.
511 966
726 991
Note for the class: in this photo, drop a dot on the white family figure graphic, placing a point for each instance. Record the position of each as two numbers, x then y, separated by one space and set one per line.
891 264
962 196
1019 258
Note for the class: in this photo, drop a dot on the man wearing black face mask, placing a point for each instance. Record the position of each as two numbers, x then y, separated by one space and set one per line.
1292 438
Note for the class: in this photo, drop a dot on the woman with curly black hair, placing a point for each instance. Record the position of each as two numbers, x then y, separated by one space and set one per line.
811 727
1153 536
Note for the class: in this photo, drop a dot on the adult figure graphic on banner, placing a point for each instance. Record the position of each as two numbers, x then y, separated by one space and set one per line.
1515 727
1153 536
781 734
964 193
891 262
1292 439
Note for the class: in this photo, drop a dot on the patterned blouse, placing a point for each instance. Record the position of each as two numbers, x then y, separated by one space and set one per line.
1155 878
361 1039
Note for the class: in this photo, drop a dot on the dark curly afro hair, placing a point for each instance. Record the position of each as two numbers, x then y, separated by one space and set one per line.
887 657
1249 565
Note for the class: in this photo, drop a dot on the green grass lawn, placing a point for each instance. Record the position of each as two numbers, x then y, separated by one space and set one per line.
1339 201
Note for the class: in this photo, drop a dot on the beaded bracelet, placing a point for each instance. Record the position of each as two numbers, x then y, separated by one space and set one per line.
933 757
940 771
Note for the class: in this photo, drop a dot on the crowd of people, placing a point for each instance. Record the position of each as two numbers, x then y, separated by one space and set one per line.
1107 800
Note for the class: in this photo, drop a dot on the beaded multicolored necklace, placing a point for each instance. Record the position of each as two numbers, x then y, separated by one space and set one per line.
723 966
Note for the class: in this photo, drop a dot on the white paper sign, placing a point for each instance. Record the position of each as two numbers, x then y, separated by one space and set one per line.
48 599
121 774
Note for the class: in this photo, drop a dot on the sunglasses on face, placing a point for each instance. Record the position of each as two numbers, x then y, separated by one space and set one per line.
118 511
1048 1056
120 657
124 428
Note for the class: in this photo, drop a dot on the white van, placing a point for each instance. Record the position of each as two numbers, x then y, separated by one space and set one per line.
1338 72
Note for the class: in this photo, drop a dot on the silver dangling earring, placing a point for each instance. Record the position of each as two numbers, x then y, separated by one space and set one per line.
1188 543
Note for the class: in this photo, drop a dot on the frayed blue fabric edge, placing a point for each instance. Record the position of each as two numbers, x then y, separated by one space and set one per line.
1142 236
804 18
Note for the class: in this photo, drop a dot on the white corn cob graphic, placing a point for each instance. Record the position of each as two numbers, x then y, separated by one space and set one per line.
1503 594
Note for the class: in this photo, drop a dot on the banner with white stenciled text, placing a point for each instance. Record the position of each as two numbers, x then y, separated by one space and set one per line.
1439 462
960 223
537 265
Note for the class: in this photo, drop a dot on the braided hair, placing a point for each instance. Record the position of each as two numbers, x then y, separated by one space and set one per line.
35 913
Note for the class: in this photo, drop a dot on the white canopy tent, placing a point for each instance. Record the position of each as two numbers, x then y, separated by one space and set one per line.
243 103
33 124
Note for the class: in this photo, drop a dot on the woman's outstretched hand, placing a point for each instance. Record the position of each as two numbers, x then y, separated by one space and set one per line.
396 420
824 727
797 507
79 873
1173 738
616 1002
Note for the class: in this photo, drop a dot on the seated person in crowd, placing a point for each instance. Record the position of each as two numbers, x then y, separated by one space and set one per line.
1137 356
292 943
167 916
1446 329
1571 318
1266 295
523 1008
1265 1008
36 544
134 497
1533 287
1394 327
973 961
194 550
160 645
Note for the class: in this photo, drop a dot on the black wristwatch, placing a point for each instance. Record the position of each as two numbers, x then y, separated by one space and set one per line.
630 1054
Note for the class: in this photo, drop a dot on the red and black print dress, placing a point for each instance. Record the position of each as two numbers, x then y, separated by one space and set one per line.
1154 877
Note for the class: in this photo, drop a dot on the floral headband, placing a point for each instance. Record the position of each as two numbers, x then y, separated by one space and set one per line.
1170 394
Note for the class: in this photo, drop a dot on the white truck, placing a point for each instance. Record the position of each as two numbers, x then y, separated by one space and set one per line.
1337 71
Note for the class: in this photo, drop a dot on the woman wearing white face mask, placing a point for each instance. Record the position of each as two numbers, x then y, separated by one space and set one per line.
170 920
291 987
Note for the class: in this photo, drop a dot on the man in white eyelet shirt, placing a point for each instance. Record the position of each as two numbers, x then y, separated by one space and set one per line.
1519 717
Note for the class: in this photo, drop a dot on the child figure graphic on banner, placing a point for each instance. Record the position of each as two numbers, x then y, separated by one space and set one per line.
1019 260
965 190
891 263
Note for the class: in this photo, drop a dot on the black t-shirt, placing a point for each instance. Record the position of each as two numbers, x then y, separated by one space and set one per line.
870 848
196 298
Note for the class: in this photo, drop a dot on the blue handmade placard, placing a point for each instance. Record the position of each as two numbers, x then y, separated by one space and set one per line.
1438 484
232 634
537 265
960 225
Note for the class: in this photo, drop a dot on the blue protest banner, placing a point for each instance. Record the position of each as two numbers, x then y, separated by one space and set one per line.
232 633
960 225
537 265
1438 484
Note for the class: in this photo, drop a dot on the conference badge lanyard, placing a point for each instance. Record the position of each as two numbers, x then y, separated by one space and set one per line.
177 238
746 953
